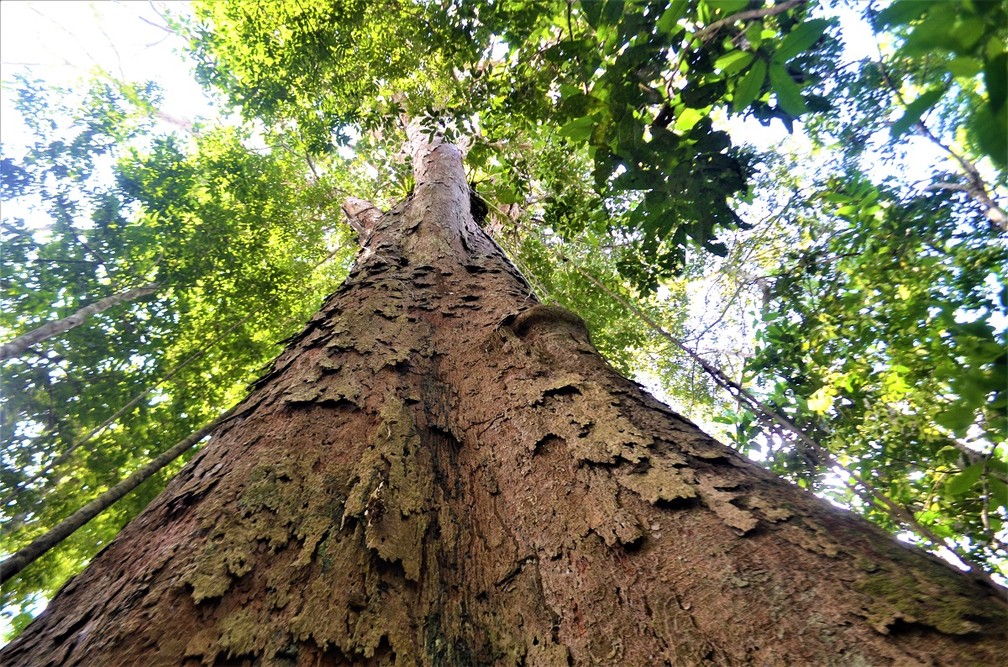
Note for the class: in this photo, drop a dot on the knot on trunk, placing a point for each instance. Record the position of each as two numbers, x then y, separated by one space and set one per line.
542 318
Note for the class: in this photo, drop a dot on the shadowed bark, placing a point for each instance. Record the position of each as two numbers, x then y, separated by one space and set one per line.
441 471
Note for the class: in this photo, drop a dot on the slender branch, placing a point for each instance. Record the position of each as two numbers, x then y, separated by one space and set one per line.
976 187
570 30
311 166
164 16
169 32
958 187
24 557
29 554
747 16
111 45
65 454
97 255
18 346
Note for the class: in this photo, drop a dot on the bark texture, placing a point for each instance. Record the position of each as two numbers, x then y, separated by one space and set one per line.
441 471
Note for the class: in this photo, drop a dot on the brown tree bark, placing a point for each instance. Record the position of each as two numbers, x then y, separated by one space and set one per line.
441 471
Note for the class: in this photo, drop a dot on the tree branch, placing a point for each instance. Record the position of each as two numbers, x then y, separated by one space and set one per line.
65 454
362 215
976 188
18 346
748 15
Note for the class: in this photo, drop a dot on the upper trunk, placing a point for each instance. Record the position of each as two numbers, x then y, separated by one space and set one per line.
439 470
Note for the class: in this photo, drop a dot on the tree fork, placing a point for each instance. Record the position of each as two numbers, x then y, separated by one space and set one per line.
440 470
362 216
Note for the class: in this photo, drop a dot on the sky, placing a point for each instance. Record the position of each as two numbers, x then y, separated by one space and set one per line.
66 41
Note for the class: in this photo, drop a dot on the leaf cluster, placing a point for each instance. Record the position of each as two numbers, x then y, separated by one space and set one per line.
99 203
877 341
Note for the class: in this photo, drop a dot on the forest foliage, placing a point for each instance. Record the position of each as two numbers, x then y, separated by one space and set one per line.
855 319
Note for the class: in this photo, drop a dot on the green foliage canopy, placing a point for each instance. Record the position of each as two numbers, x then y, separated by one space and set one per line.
598 132
232 237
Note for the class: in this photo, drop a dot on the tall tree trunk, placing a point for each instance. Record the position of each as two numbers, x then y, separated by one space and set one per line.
441 471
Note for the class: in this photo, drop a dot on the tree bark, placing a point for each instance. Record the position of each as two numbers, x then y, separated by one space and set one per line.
22 558
18 346
441 471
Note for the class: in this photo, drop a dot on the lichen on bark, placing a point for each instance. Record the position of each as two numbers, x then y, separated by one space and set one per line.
439 470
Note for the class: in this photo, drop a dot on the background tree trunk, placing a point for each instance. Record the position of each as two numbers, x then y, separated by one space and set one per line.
19 345
440 470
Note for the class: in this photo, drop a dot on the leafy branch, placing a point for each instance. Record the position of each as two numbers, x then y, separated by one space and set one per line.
781 424
49 330
976 187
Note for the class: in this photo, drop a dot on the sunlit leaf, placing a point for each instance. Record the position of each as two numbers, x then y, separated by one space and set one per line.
788 93
800 39
749 87
963 481
915 110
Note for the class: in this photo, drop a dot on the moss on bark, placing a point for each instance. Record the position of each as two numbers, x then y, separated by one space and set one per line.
438 470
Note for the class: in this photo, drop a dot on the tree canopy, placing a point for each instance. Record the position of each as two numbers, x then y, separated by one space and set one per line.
836 309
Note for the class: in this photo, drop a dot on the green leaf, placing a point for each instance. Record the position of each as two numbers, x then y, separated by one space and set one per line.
901 12
687 119
800 39
934 32
728 7
960 483
509 196
612 12
965 66
669 19
579 129
788 93
749 87
996 81
716 247
593 11
957 417
998 492
733 61
914 111
966 33
987 129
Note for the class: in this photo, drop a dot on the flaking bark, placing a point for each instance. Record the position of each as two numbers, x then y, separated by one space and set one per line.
441 471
